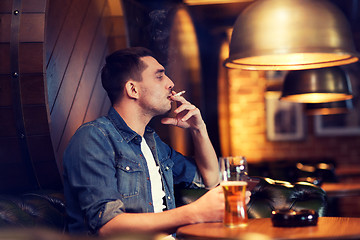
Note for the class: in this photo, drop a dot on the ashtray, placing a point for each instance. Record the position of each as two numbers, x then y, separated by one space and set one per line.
292 218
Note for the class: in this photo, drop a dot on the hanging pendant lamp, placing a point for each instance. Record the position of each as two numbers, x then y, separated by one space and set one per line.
316 85
329 108
291 35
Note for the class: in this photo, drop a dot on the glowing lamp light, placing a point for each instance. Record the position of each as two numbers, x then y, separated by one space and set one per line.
291 35
316 85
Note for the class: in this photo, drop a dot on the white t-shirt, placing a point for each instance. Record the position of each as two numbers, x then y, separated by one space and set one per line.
157 191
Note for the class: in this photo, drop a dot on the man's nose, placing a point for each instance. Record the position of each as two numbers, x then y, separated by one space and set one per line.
171 83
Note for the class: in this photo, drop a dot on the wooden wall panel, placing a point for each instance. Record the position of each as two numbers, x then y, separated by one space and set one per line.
23 109
32 93
6 5
63 49
31 57
35 120
7 120
56 15
5 23
12 165
5 26
34 6
5 91
10 145
88 82
32 27
97 103
75 70
51 53
4 54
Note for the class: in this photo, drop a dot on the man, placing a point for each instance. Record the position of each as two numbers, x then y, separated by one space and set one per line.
119 175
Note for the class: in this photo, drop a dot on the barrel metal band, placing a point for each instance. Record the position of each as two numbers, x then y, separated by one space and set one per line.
16 92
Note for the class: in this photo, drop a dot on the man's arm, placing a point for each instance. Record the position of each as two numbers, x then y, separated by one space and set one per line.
189 116
208 208
205 157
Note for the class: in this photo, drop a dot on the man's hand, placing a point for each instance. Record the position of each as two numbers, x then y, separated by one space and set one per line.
187 115
211 206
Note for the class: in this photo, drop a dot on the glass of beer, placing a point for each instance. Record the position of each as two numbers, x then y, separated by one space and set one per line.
233 181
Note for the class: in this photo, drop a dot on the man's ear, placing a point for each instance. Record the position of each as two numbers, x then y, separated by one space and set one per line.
131 89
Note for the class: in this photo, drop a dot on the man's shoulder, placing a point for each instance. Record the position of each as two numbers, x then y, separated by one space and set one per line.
97 131
100 122
101 125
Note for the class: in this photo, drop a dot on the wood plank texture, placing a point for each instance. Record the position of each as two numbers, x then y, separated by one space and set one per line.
7 123
96 102
24 116
64 48
31 58
83 97
32 27
35 120
10 147
5 6
5 91
5 25
33 89
73 69
5 54
56 86
35 6
57 11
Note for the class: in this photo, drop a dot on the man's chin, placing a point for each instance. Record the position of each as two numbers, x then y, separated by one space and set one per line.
163 112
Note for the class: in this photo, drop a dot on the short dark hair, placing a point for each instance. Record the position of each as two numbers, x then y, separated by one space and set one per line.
119 67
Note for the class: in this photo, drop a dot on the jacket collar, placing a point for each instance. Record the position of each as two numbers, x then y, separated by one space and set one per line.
125 131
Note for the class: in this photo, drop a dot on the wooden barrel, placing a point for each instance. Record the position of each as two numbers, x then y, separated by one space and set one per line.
27 160
51 53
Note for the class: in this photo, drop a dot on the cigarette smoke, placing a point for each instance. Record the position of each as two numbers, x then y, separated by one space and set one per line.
159 28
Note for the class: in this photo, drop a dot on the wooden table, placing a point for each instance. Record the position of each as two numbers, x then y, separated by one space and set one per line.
341 189
262 229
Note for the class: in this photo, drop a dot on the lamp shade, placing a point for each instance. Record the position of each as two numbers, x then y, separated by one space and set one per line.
291 35
316 85
329 108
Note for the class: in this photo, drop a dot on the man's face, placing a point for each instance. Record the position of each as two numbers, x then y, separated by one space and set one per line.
154 88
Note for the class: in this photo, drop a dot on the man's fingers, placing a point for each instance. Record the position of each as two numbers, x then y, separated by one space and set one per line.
169 121
183 107
189 114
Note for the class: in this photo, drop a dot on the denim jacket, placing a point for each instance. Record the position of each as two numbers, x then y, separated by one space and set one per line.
105 173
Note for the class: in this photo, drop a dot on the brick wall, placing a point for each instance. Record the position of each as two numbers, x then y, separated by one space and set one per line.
247 127
245 133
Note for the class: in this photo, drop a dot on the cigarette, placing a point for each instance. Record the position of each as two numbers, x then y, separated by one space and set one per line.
179 93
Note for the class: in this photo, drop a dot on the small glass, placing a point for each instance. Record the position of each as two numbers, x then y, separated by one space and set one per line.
233 181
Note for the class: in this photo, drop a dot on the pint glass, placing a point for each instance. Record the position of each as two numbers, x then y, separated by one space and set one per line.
233 181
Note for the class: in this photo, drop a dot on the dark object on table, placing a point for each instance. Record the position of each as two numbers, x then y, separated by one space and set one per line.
291 218
272 194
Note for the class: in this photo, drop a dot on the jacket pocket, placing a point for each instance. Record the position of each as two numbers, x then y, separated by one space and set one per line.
129 180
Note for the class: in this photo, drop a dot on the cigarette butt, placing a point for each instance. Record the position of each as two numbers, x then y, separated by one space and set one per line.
179 93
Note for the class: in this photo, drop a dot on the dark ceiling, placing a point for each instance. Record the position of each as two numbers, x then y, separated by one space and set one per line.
214 17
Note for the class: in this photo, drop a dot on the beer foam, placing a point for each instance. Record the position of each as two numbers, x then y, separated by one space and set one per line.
233 183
